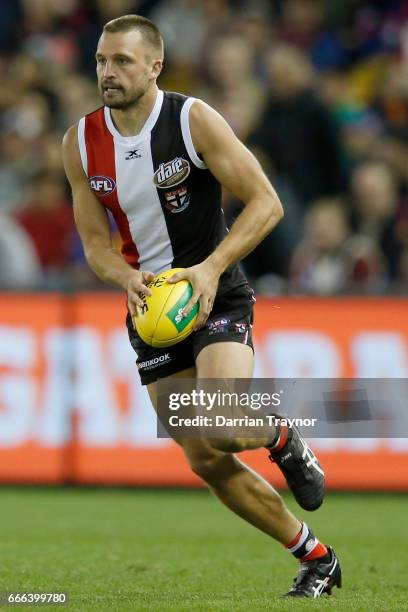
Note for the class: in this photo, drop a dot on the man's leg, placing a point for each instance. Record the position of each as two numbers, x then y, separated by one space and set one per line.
239 487
236 485
249 495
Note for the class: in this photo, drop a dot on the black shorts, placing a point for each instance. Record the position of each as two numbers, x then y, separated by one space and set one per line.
230 321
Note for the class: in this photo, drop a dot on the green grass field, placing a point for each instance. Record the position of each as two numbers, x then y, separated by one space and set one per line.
182 550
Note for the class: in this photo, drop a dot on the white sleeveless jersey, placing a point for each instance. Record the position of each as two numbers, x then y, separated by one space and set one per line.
164 200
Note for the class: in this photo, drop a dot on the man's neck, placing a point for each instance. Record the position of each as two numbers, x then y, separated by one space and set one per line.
129 122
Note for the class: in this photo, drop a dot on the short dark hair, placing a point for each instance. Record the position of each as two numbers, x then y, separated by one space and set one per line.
150 32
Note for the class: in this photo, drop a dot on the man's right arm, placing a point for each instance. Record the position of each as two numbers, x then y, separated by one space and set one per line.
92 223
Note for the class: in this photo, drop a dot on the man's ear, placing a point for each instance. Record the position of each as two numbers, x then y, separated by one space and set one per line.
157 68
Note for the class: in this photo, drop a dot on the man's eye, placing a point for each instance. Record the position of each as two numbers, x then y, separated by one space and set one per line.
122 61
101 60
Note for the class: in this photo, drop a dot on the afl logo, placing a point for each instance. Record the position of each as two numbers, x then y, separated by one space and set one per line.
171 173
102 185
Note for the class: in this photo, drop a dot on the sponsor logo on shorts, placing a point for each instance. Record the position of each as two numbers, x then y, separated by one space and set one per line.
150 364
102 185
240 328
171 173
218 326
177 200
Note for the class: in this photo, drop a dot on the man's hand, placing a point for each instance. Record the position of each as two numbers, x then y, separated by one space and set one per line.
204 280
136 287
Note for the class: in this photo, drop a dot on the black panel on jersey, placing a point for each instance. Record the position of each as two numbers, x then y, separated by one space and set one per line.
192 208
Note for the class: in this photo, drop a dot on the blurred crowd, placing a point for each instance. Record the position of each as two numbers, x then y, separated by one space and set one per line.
318 91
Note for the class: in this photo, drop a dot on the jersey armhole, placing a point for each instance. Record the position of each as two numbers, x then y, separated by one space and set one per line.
82 145
185 130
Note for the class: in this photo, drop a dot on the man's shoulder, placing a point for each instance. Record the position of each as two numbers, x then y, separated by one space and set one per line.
175 96
70 153
70 137
174 102
171 110
95 113
72 131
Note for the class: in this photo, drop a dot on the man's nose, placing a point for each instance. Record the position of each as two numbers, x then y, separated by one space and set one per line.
108 71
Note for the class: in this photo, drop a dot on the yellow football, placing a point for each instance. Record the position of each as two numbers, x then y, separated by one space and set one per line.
160 322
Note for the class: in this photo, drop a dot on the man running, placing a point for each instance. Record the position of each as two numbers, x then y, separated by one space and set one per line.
157 161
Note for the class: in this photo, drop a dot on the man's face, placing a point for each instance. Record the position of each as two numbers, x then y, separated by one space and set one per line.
124 68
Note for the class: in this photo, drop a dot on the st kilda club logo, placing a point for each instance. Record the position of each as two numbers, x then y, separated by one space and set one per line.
171 173
177 199
102 185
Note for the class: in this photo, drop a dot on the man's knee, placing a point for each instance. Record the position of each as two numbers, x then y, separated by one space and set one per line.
237 445
207 468
209 463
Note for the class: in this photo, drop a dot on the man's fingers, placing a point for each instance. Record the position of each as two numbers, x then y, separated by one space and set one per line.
201 320
139 288
145 290
203 313
177 277
190 304
132 308
135 299
147 276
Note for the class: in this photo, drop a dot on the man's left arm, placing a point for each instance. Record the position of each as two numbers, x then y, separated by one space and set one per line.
237 170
